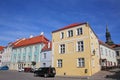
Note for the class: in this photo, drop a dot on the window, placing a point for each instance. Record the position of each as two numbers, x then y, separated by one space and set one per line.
80 46
59 63
62 48
81 62
109 53
29 58
30 49
20 50
62 35
106 51
70 33
44 64
117 53
35 58
36 48
113 54
24 50
101 51
44 55
23 58
79 31
14 57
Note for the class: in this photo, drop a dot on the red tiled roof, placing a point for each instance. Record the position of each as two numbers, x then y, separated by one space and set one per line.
17 41
46 48
115 45
1 48
101 42
31 41
69 26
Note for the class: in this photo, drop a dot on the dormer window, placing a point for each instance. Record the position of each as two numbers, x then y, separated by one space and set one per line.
70 33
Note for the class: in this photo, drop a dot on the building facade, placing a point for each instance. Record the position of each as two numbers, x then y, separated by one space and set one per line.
116 47
6 57
46 55
76 50
108 56
1 53
27 51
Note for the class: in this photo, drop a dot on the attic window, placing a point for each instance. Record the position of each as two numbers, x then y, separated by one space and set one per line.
79 31
70 33
62 35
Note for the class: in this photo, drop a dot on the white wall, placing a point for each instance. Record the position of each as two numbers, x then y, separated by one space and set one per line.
108 54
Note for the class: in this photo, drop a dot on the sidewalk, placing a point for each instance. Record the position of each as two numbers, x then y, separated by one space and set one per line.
113 74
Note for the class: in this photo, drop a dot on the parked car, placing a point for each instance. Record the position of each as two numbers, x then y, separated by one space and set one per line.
4 68
45 71
27 69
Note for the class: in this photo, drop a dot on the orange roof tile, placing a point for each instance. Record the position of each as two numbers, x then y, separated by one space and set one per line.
31 41
1 48
69 26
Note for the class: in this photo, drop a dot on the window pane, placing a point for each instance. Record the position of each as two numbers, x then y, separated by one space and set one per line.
62 48
81 62
80 46
59 63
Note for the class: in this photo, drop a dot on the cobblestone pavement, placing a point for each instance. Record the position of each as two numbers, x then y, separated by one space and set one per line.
102 75
113 74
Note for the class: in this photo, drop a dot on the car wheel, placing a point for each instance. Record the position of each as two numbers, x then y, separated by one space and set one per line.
45 75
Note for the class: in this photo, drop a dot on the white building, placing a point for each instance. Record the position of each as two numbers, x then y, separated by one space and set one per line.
117 49
6 56
108 56
46 56
1 52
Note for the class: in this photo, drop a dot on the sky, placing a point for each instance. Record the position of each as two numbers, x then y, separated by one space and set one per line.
22 18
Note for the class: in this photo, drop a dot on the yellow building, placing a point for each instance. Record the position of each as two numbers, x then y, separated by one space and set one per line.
75 50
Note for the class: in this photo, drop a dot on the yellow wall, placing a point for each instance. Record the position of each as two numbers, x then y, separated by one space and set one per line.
71 55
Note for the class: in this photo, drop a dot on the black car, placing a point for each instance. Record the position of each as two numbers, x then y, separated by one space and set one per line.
45 71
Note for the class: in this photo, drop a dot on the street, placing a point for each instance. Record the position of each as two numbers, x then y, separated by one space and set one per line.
15 75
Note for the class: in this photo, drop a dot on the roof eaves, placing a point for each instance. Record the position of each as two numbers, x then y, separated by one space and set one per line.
70 26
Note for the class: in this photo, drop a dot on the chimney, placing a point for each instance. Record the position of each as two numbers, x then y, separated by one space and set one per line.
31 36
42 33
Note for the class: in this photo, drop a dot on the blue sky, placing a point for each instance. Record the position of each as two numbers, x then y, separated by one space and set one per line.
22 18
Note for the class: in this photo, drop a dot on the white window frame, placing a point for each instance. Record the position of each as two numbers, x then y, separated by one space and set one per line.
62 48
81 62
59 63
44 55
80 47
35 58
61 35
101 50
79 31
70 33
